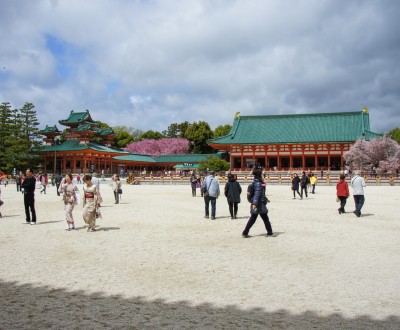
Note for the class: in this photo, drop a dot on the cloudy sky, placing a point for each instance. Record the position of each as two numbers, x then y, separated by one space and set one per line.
149 63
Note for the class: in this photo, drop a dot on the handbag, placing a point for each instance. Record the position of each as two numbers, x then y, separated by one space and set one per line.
206 191
337 199
119 190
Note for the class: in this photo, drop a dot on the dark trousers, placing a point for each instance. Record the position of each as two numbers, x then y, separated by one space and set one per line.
294 193
207 200
252 220
313 188
233 209
58 186
305 190
29 202
193 191
18 187
116 196
359 201
343 200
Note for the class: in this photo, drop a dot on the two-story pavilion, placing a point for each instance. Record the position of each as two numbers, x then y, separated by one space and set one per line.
85 147
300 141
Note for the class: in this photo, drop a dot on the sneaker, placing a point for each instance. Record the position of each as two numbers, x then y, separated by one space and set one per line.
212 218
270 235
72 226
33 223
67 227
207 217
245 235
92 230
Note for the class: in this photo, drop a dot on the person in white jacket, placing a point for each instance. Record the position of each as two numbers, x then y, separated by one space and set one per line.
210 187
358 184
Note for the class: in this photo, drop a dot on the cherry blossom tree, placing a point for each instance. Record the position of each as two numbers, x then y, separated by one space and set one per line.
381 153
167 146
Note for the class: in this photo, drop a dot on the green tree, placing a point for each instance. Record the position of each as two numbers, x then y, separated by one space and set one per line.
151 135
222 130
176 130
198 134
124 136
6 130
395 134
214 164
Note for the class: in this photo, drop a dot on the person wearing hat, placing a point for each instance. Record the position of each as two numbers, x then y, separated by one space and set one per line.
258 205
210 192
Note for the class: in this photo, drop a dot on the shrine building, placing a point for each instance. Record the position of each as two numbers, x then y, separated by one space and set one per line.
298 142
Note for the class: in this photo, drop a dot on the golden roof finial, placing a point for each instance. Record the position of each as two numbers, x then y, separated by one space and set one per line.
365 109
237 114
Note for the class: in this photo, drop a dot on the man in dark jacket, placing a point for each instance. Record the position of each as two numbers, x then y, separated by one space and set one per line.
304 181
232 194
258 205
58 180
29 185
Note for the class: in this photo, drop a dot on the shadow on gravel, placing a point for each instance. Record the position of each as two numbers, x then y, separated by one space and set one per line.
31 307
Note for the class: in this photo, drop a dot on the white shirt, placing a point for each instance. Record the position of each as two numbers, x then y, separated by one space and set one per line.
357 183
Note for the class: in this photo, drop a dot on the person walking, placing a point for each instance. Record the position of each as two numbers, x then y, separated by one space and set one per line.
295 185
342 192
210 192
44 181
29 185
116 187
232 193
1 203
313 181
193 183
304 181
201 181
58 180
91 203
18 182
358 184
258 205
70 198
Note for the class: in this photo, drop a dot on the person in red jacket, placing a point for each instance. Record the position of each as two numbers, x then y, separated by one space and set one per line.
342 192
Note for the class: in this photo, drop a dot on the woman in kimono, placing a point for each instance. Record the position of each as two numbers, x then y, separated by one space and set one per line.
91 202
70 198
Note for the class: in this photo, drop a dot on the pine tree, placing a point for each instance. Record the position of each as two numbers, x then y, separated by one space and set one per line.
6 130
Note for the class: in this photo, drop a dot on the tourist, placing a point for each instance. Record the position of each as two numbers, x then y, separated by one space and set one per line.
96 181
18 182
29 185
342 192
70 198
1 203
201 181
295 185
58 180
258 205
313 181
44 181
232 194
116 187
358 184
91 203
210 192
193 183
304 181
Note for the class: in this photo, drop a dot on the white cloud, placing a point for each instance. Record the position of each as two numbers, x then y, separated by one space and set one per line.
172 61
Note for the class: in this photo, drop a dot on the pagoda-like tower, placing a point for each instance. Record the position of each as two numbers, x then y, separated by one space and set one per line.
50 133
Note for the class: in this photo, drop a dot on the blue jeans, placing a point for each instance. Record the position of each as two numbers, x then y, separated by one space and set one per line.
207 200
359 201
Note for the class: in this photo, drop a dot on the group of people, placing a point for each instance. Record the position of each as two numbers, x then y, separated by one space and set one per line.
303 183
70 195
210 190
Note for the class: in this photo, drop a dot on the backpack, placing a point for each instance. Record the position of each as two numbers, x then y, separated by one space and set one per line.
250 192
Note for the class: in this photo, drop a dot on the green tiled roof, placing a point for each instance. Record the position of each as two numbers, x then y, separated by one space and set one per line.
184 158
84 128
299 128
77 118
50 129
73 145
136 158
